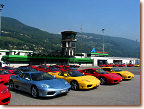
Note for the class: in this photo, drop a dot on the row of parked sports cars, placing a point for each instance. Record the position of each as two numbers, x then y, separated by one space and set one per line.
119 65
48 81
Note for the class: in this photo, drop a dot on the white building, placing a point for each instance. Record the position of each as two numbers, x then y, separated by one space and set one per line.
14 52
98 60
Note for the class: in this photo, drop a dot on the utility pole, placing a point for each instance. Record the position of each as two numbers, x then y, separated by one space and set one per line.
1 7
103 38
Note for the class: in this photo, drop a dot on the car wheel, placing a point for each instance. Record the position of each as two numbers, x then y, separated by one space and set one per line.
103 80
74 85
11 85
34 92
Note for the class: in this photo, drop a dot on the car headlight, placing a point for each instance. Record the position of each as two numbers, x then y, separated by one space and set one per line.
45 86
4 91
66 83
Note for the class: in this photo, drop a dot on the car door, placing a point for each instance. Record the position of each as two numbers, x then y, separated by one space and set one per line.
61 75
18 81
65 76
26 82
97 74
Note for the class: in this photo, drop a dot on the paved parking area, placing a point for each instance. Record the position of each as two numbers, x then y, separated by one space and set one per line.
124 93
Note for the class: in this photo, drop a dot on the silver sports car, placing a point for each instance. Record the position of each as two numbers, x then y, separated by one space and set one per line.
39 84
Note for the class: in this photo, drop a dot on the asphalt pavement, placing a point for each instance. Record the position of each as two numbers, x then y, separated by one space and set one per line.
122 94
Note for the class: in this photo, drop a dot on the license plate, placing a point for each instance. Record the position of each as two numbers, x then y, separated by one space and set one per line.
63 91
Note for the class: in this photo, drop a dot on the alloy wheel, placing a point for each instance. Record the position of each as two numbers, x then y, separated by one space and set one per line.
74 85
34 92
103 80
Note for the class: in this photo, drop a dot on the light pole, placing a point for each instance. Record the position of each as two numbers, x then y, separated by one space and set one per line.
103 39
1 7
137 51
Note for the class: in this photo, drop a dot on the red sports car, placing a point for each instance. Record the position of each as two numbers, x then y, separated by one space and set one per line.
103 65
5 95
130 65
5 75
115 65
122 65
105 78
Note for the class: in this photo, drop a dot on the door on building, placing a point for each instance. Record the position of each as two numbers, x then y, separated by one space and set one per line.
101 62
117 61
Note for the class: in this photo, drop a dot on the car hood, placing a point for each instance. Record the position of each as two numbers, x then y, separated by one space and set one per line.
127 72
89 78
113 75
53 83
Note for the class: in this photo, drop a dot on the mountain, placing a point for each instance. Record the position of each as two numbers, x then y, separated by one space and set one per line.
16 35
115 46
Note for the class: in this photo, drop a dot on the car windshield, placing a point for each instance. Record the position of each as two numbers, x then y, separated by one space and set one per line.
41 76
100 71
75 73
54 69
116 69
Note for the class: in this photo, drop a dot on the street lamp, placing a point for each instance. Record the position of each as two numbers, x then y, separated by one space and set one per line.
1 7
103 39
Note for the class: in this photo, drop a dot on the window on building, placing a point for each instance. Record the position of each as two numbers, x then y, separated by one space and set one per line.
7 53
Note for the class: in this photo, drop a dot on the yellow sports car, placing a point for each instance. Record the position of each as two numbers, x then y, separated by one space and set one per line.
77 80
123 74
137 65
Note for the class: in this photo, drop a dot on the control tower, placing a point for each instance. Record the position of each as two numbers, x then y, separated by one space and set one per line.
68 43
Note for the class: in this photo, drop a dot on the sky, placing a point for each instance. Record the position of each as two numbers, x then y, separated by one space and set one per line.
119 18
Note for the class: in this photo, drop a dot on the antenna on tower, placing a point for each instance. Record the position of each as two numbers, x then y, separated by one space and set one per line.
81 28
1 7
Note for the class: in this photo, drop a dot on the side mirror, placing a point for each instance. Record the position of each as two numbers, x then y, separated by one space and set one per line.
27 79
65 75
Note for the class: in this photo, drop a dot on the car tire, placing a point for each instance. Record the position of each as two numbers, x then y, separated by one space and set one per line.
34 92
74 85
103 80
11 85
